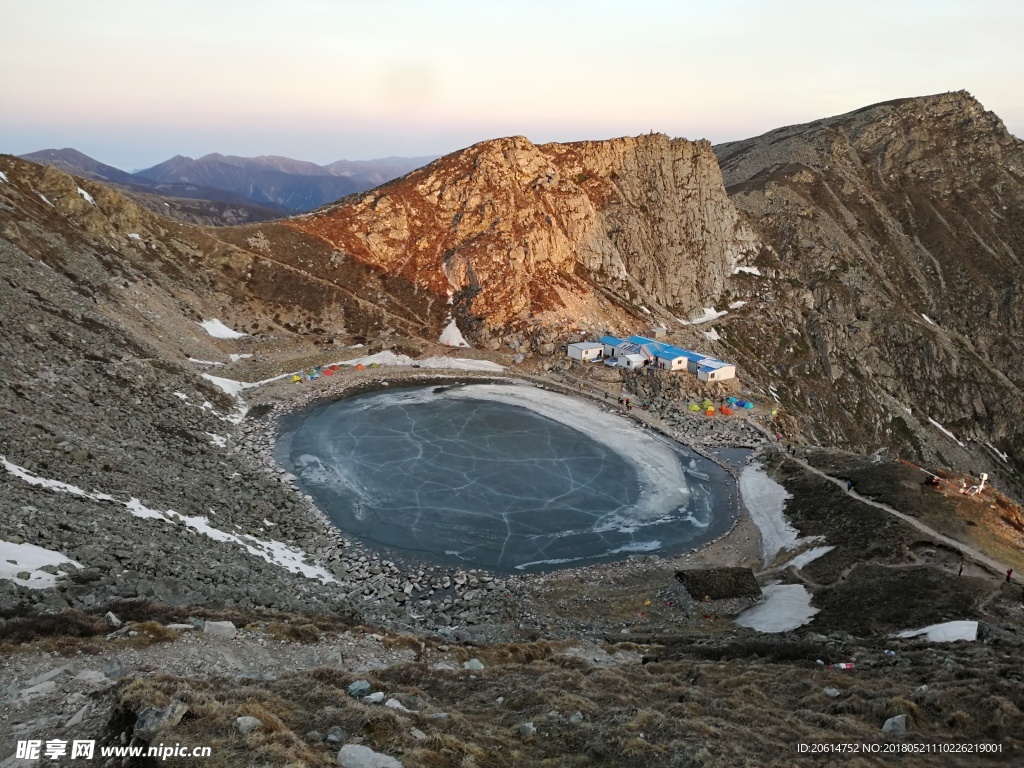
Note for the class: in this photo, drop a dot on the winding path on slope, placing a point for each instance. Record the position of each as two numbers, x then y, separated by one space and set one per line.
979 557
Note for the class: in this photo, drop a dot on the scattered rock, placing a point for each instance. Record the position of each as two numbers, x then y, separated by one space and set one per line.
247 724
335 734
359 688
225 629
526 730
395 704
417 734
576 718
833 693
473 665
152 721
358 756
112 620
895 725
375 698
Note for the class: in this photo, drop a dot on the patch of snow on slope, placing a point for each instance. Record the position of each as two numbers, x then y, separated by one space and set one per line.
455 363
712 335
203 362
3 178
928 319
273 552
16 558
218 330
807 556
945 431
219 440
946 632
452 336
45 199
765 500
86 196
736 304
748 270
710 313
997 452
135 236
785 607
52 485
236 358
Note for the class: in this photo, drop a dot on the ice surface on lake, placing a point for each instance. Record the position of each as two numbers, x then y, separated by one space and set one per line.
506 477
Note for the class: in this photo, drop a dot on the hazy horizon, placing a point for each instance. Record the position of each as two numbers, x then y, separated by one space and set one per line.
132 85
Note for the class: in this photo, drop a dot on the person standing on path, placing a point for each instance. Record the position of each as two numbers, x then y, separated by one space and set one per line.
961 571
849 485
1009 574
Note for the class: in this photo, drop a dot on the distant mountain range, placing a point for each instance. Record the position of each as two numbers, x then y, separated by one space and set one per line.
268 183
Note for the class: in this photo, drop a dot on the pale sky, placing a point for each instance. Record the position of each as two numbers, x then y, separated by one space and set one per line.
133 82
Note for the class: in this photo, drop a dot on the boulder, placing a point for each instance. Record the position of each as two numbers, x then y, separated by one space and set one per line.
224 629
473 665
359 688
247 724
895 725
152 721
358 756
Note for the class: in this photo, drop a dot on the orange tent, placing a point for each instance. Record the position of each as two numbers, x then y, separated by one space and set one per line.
360 367
709 412
727 411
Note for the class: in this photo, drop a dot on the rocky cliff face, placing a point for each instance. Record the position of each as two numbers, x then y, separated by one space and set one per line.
892 292
553 235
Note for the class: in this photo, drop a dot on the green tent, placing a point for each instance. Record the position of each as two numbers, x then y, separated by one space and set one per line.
693 407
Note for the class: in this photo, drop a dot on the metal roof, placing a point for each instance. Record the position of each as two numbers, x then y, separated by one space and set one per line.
670 352
587 345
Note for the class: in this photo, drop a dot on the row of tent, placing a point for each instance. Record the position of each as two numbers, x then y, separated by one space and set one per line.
326 370
709 407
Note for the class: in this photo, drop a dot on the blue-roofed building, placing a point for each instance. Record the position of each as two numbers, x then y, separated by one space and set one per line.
611 345
667 357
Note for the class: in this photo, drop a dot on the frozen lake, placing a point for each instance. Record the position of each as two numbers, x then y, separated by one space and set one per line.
504 477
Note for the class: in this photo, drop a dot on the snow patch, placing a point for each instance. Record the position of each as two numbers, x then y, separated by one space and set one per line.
388 357
203 362
945 431
645 310
452 336
219 440
765 499
997 452
273 552
747 270
135 236
737 304
45 199
51 485
3 178
710 313
712 335
785 607
218 330
86 196
236 358
182 396
16 558
807 556
946 632
928 319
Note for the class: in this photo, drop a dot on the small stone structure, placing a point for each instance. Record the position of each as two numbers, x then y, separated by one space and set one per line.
719 583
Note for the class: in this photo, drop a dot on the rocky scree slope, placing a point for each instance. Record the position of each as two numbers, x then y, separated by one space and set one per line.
891 294
100 301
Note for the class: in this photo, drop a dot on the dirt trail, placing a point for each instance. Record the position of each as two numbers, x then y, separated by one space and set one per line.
979 557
